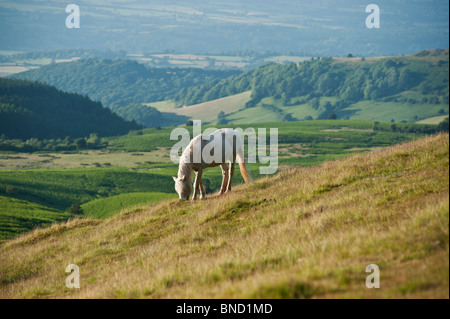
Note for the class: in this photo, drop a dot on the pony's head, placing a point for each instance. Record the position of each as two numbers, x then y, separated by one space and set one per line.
183 187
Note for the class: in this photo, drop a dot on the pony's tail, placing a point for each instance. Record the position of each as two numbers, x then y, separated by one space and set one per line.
247 178
244 172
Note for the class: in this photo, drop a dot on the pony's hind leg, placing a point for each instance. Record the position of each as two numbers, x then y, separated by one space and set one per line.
202 190
230 177
198 178
224 167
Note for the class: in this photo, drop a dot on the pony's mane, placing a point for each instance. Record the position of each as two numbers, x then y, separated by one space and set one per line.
185 168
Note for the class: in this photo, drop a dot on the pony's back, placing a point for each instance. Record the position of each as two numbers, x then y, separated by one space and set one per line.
228 140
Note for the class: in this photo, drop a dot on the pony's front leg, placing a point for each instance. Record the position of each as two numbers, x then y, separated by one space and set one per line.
198 178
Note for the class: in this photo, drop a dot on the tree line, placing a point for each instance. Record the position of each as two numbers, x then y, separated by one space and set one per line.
67 144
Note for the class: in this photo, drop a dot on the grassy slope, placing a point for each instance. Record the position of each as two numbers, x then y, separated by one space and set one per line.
236 113
162 106
386 111
433 120
307 232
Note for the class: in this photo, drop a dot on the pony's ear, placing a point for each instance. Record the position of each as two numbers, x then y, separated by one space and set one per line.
174 178
183 177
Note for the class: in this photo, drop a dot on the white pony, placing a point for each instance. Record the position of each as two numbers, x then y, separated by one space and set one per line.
226 145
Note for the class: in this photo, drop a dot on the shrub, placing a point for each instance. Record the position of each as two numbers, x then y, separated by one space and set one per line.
11 190
443 126
332 116
75 209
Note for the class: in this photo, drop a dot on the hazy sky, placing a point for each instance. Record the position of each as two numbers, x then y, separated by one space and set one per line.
322 27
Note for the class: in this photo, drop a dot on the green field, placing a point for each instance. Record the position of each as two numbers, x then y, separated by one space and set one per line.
253 115
18 216
81 159
387 111
106 207
357 134
60 188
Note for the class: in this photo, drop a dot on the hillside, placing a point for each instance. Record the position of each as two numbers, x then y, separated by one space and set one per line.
433 120
34 110
208 111
305 233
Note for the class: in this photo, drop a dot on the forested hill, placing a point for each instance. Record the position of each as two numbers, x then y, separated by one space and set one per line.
348 79
121 82
34 110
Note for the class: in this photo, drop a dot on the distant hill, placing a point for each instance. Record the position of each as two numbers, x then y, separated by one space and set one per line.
120 82
35 110
123 85
400 89
405 88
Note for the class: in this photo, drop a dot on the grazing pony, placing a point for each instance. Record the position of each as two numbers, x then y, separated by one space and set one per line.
194 159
